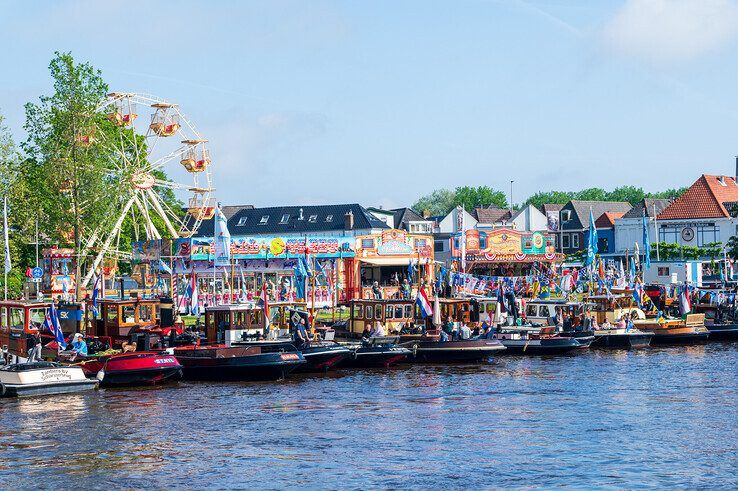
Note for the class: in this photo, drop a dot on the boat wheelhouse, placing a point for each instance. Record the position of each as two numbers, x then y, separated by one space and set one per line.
392 314
120 320
20 320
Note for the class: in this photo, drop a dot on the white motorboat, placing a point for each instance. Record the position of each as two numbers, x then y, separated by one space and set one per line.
42 378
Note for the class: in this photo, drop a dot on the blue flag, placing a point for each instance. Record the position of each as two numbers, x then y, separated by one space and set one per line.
592 244
51 322
646 245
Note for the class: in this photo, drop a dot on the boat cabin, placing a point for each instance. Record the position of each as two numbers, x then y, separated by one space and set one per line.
392 314
119 319
459 309
225 323
18 320
613 307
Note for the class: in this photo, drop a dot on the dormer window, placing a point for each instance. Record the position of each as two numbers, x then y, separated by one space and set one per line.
565 215
721 180
329 218
313 219
264 220
285 218
242 221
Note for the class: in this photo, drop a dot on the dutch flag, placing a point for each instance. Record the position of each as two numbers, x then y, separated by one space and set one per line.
422 301
51 322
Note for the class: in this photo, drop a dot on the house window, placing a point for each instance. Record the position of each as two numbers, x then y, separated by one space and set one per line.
242 221
285 218
575 241
664 271
329 218
707 234
602 245
439 246
670 235
565 241
264 220
313 218
565 215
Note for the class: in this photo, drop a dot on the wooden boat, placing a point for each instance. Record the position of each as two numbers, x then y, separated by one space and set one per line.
42 378
131 369
221 362
690 330
545 342
621 338
380 352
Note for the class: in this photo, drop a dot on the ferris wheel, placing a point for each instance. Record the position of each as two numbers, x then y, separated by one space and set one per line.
151 157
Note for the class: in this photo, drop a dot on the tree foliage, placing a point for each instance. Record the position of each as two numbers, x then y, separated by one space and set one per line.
631 194
442 201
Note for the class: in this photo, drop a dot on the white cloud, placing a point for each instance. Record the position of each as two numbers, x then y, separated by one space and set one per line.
669 31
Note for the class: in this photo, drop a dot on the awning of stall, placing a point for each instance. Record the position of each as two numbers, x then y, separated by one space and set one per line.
386 261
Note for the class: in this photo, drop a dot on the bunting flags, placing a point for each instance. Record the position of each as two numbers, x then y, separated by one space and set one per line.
646 245
51 322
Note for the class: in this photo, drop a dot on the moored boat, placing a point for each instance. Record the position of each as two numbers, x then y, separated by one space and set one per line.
431 349
42 378
690 330
382 352
720 319
322 356
541 343
221 362
621 338
130 369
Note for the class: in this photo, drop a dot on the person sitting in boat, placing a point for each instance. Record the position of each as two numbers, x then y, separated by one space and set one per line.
593 323
628 323
79 346
621 323
378 330
301 335
464 332
442 336
448 327
366 333
606 325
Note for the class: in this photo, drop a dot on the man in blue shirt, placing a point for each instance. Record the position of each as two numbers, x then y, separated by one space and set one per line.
79 345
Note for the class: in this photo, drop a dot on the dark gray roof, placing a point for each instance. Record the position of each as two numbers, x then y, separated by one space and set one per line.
491 215
286 220
546 207
231 210
404 215
580 212
647 205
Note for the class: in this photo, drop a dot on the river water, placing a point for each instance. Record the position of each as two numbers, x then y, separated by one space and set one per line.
613 419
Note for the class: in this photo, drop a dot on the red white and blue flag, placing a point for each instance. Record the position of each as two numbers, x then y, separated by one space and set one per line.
265 306
685 303
51 322
426 310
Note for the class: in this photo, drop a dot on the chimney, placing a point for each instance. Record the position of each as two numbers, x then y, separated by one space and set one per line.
348 221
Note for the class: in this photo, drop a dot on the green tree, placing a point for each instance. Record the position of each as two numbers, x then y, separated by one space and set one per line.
591 194
549 197
437 203
668 194
475 197
631 194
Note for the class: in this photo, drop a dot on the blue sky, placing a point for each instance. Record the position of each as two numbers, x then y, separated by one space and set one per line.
381 102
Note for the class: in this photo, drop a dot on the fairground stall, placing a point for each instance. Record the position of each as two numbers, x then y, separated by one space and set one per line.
292 268
58 265
151 266
385 260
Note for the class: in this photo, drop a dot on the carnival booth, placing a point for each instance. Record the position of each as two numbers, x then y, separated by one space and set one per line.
504 252
59 266
309 269
388 259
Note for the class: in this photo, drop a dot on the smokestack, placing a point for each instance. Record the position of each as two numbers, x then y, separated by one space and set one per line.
348 221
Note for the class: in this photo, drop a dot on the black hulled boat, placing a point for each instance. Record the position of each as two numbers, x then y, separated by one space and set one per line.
221 362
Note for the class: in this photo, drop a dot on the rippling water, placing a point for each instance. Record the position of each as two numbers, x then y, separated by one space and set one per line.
653 418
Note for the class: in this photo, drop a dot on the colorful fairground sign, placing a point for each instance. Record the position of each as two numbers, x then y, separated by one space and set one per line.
506 245
201 249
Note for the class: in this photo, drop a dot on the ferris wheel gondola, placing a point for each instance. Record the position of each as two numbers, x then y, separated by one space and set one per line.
144 156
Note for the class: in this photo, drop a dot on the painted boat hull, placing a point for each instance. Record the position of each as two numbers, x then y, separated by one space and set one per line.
623 340
669 339
322 358
246 363
43 378
467 351
133 369
548 346
375 357
723 332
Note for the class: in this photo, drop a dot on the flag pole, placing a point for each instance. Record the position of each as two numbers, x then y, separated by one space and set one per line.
6 266
656 231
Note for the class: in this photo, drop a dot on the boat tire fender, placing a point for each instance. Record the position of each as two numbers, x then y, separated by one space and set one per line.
2 389
415 350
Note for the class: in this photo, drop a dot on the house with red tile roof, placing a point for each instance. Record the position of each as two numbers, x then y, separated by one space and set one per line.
706 213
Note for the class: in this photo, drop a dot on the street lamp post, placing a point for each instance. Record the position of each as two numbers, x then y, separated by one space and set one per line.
511 196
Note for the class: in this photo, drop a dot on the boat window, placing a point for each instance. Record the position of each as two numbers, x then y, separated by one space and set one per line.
398 312
144 313
129 314
378 312
358 312
112 314
408 311
389 311
37 317
3 318
369 312
16 319
532 311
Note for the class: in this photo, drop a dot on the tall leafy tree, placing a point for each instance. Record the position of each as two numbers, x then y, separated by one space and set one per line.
471 197
67 169
437 203
550 197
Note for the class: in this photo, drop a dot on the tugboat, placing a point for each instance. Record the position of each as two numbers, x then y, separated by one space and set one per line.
133 368
543 342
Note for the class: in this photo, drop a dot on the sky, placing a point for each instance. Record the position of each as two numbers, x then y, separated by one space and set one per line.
319 102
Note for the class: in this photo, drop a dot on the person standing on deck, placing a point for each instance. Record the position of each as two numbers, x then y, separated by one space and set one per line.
301 335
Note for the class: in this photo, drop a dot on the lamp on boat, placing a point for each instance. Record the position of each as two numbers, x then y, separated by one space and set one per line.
165 120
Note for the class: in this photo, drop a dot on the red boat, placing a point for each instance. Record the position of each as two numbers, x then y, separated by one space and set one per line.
135 368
